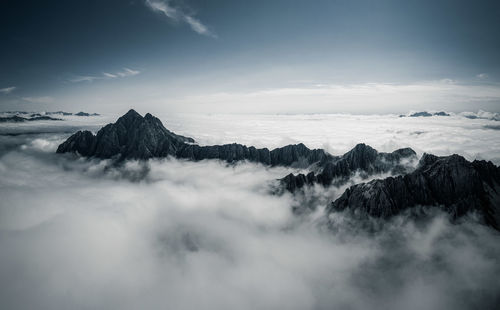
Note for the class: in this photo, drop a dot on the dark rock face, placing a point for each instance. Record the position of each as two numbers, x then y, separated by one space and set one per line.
83 114
82 142
297 155
44 118
59 113
426 114
421 114
493 116
454 183
361 158
13 119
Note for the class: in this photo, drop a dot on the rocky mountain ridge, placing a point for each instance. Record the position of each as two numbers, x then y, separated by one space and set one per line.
137 137
362 158
20 119
450 182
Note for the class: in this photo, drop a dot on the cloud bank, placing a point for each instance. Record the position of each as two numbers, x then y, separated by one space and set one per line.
88 234
338 133
177 14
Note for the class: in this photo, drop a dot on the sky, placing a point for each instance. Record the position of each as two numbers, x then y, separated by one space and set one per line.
250 56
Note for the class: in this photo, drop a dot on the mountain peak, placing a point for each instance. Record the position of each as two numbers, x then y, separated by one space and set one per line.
132 136
132 114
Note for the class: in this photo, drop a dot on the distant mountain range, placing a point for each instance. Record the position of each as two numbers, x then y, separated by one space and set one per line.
19 119
23 116
450 182
426 114
470 115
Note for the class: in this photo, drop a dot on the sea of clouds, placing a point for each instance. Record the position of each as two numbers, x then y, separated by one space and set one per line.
172 234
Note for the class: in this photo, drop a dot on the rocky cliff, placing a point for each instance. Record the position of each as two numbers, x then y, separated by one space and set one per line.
362 158
451 182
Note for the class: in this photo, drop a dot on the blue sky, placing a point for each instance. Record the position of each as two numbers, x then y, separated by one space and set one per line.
250 56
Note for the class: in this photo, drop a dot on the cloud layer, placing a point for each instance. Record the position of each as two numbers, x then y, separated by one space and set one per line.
338 133
173 234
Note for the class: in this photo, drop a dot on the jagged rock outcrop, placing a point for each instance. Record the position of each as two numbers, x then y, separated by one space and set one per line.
421 114
297 155
362 158
426 114
59 113
86 114
13 119
452 182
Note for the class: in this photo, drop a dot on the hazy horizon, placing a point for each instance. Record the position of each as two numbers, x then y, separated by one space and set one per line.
250 57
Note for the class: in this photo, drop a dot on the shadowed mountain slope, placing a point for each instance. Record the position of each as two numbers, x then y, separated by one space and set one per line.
362 158
451 182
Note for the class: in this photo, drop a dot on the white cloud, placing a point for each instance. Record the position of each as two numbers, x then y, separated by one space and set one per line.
126 72
109 75
197 26
43 99
338 133
85 78
7 90
448 81
482 76
71 230
177 14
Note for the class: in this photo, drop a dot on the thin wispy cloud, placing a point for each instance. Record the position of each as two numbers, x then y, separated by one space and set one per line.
7 90
177 14
43 99
482 76
126 72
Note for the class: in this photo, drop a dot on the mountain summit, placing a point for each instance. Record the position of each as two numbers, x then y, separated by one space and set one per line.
131 137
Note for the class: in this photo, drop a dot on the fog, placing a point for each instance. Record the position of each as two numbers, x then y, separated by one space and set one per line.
78 233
